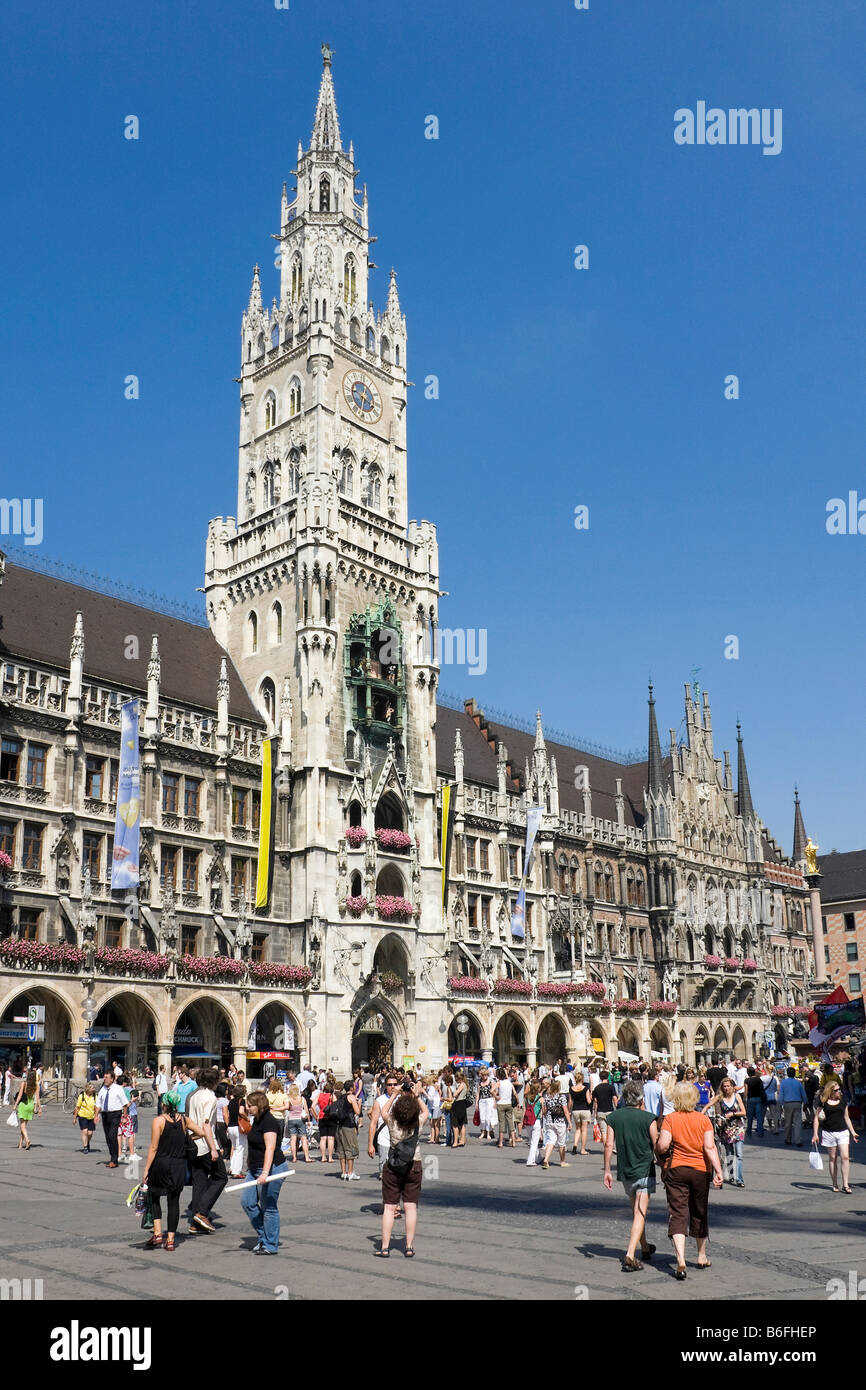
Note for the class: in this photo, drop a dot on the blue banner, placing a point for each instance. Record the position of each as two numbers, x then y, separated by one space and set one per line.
124 865
518 916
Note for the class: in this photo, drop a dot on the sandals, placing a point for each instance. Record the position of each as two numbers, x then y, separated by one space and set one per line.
382 1254
629 1264
681 1271
648 1253
707 1265
169 1243
154 1243
409 1252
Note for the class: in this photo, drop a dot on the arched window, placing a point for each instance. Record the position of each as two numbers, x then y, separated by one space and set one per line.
249 349
355 332
275 336
347 475
339 323
297 279
397 354
268 698
294 398
252 633
629 888
270 411
276 634
350 286
374 488
386 352
355 885
260 345
609 894
640 891
371 340
356 815
324 194
288 330
324 308
599 881
268 484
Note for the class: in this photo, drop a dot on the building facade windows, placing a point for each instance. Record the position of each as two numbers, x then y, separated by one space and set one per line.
37 755
10 758
31 846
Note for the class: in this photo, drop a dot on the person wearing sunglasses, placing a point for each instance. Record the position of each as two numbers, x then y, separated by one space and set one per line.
832 1116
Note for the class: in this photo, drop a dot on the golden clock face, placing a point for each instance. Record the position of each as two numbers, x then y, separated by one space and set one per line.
362 397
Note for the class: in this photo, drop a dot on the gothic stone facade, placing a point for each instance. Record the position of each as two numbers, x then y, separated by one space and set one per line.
322 603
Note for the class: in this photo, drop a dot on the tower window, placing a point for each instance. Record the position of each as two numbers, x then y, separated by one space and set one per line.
386 352
297 279
268 698
347 476
294 399
350 287
374 488
371 340
270 412
324 194
275 336
277 623
253 633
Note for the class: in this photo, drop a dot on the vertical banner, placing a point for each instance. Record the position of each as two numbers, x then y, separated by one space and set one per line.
124 862
264 870
518 915
445 837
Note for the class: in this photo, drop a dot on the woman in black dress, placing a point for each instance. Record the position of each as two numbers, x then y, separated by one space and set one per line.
165 1167
458 1111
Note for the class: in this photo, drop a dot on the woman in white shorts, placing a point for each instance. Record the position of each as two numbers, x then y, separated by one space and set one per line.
433 1101
556 1122
835 1130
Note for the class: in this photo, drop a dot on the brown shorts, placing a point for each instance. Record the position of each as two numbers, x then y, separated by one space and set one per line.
347 1141
394 1187
688 1191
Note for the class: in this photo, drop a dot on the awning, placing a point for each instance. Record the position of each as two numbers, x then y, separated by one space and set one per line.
68 911
175 1052
147 913
224 927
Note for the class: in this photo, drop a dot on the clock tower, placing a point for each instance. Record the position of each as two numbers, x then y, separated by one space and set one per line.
326 596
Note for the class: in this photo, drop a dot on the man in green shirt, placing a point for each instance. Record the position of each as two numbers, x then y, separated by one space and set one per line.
635 1132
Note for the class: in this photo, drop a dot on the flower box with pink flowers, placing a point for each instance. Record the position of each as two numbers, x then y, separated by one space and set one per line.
271 972
554 989
393 908
630 1006
36 954
394 841
749 964
732 962
5 862
355 836
712 962
781 1011
506 985
356 903
590 989
662 1006
213 968
466 984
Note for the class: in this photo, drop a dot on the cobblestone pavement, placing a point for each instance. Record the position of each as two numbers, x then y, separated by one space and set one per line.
489 1229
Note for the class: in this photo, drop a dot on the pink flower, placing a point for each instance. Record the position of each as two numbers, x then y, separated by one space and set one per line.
356 904
713 961
749 964
273 972
506 984
467 983
662 1006
395 841
732 962
356 835
387 905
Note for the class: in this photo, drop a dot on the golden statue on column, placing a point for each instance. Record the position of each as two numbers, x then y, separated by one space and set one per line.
811 852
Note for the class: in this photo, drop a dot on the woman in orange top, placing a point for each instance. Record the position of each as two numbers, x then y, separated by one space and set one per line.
688 1138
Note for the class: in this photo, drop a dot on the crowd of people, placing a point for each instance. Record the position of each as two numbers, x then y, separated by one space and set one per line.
211 1126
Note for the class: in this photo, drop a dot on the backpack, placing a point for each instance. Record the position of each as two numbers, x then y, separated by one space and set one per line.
339 1109
401 1156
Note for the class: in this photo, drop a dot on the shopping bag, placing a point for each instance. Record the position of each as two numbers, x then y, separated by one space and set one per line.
147 1214
12 1120
476 1118
815 1160
596 1132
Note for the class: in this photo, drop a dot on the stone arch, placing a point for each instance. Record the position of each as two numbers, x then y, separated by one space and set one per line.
628 1038
392 954
739 1045
390 881
147 1029
510 1038
551 1040
275 1010
63 1020
390 812
378 1045
660 1039
471 1042
720 1039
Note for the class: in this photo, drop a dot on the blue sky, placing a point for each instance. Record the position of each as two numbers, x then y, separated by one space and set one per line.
558 387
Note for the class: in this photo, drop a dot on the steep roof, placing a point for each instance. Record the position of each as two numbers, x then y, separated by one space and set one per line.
37 617
844 876
479 762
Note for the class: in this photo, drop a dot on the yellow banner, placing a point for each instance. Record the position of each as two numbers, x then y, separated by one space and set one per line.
263 875
444 837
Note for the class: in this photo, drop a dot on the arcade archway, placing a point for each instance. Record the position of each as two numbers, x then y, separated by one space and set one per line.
509 1040
466 1044
123 1031
273 1040
57 1028
373 1039
552 1043
203 1035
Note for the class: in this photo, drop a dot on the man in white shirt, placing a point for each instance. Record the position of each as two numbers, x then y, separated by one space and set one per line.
208 1169
304 1075
739 1074
652 1094
118 1071
110 1104
161 1084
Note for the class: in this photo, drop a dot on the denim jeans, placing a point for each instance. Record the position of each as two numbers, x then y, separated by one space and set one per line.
734 1160
755 1111
448 1127
260 1205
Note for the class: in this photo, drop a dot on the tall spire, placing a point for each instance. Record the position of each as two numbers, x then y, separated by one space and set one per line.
744 793
326 126
654 764
799 831
392 309
255 304
539 732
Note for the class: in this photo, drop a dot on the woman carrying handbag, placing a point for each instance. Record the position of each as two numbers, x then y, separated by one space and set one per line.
165 1167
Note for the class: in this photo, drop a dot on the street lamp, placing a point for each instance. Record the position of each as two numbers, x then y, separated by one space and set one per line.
88 1013
461 1023
310 1023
